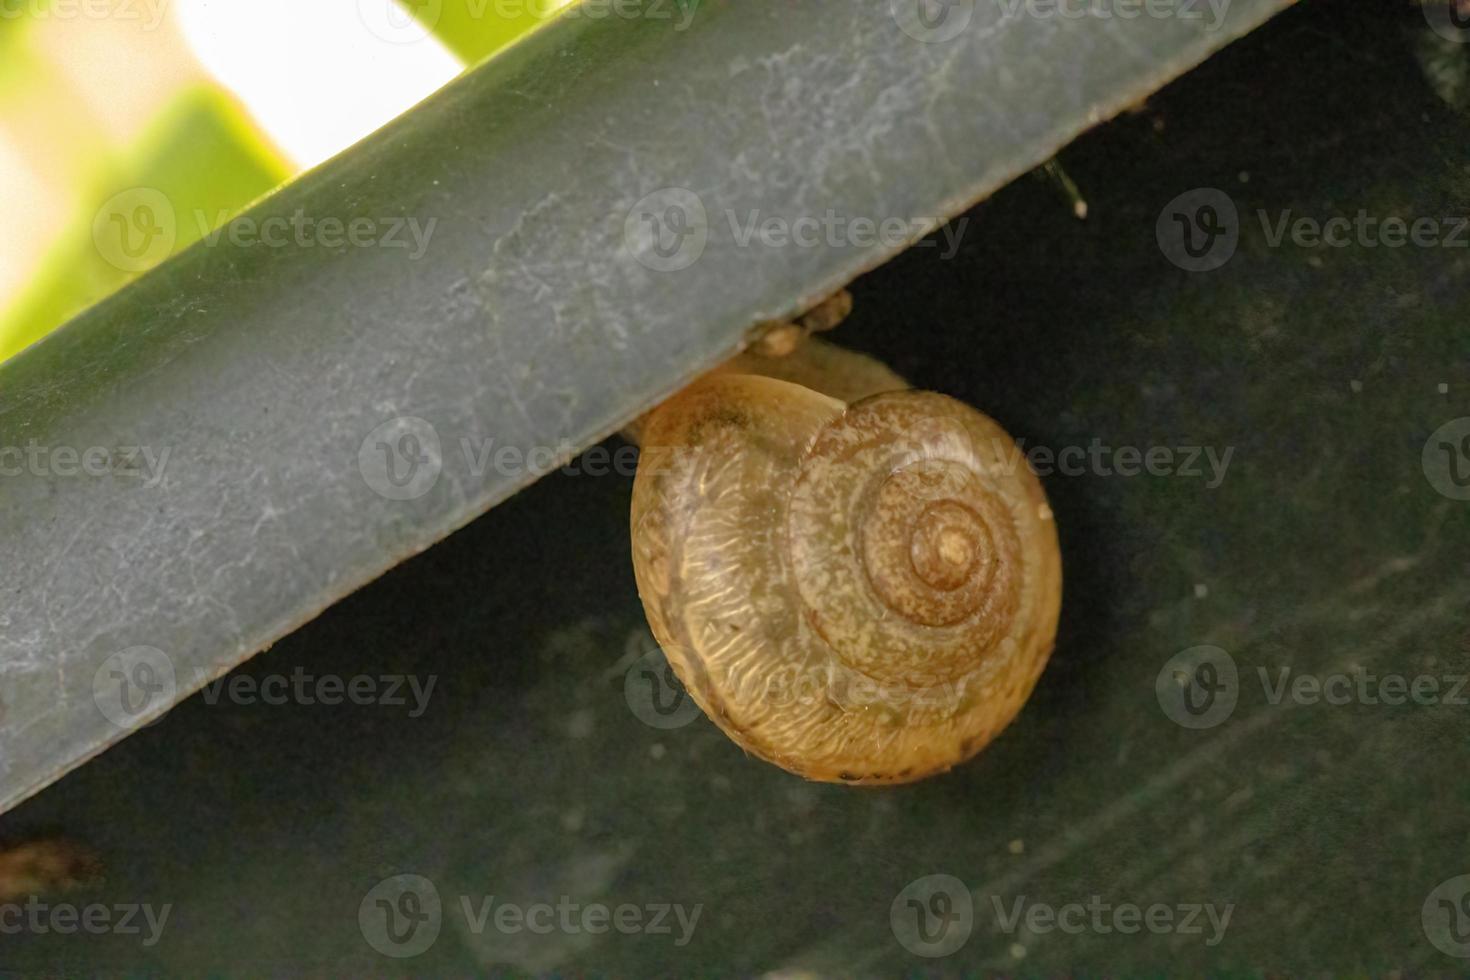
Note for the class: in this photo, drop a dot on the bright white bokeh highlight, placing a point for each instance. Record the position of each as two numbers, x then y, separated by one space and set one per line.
317 75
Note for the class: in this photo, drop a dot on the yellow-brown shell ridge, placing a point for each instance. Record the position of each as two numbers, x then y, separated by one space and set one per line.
857 593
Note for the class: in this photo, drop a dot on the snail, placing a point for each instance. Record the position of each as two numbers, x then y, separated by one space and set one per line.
860 589
46 866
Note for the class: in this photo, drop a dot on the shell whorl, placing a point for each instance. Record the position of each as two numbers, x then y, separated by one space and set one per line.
861 593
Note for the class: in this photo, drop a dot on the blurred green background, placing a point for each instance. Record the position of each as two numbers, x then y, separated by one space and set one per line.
129 129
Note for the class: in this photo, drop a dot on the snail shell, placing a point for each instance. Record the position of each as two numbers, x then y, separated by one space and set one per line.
861 593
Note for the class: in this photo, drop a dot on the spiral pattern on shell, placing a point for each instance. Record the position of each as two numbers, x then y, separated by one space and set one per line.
863 593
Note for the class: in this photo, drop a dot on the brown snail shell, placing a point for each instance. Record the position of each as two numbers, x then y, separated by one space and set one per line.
861 593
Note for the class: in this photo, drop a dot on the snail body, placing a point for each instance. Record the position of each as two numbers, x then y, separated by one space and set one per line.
859 592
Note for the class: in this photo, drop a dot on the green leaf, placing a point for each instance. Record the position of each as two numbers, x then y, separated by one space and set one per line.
476 29
202 155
